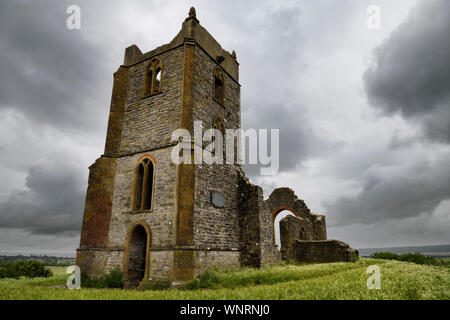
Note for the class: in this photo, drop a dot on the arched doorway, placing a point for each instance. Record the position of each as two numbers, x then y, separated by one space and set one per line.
137 254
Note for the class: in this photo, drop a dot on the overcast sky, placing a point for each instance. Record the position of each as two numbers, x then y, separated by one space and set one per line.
364 115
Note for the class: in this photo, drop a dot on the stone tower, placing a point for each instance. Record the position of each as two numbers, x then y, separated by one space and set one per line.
138 200
157 220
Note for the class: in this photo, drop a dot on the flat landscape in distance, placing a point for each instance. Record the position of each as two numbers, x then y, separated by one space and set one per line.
438 251
47 260
399 280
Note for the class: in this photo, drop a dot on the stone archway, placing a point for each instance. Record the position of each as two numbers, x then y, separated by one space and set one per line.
277 215
285 199
136 264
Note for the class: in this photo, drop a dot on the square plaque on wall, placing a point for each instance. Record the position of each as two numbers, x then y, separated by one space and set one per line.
217 199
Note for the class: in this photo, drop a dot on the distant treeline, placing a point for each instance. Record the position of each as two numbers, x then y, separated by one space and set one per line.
21 268
437 251
46 260
412 257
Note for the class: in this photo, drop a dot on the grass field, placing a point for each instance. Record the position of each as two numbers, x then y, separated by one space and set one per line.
399 280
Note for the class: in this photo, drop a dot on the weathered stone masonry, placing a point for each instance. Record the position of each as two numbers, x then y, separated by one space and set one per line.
181 232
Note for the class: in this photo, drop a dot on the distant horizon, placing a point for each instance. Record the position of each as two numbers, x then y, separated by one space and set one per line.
408 246
72 255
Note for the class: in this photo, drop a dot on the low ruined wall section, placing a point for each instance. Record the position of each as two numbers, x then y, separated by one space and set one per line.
322 251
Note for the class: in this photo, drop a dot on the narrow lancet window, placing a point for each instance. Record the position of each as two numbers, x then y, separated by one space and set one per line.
219 86
153 77
143 198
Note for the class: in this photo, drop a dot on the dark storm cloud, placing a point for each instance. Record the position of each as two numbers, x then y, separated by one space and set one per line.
56 80
411 73
47 71
394 193
53 203
410 76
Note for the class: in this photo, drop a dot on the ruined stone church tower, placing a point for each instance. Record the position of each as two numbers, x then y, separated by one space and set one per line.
157 220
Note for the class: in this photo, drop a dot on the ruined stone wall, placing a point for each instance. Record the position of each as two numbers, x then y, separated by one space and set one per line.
91 257
269 250
258 247
323 251
319 227
98 205
207 259
99 195
296 228
293 229
116 112
305 227
98 261
285 199
250 205
281 199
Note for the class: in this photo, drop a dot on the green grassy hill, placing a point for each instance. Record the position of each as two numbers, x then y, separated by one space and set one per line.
399 280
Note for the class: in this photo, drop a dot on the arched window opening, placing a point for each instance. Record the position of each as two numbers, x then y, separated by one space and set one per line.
276 224
219 86
143 199
153 77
